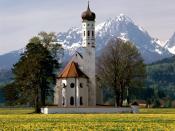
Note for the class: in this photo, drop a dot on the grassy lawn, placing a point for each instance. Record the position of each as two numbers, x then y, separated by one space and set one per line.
148 119
16 111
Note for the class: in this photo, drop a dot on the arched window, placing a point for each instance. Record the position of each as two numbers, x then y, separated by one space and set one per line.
88 33
81 85
92 33
84 33
63 101
81 100
71 100
64 85
72 85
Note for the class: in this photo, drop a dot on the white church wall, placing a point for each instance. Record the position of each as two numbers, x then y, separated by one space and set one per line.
67 92
70 92
55 110
83 91
57 92
89 69
78 59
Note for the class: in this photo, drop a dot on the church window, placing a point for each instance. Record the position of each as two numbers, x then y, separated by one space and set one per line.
81 100
93 44
81 85
71 100
92 33
72 85
88 33
63 101
88 25
84 33
64 85
88 43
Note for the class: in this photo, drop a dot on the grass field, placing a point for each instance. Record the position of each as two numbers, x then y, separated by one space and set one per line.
147 120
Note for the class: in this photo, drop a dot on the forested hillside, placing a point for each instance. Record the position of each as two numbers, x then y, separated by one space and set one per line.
162 75
5 76
160 80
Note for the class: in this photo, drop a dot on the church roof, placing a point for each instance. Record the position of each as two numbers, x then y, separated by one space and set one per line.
88 14
72 70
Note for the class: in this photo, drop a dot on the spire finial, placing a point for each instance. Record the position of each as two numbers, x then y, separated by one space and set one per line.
88 5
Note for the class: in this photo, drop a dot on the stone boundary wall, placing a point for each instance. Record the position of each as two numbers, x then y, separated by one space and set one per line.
56 110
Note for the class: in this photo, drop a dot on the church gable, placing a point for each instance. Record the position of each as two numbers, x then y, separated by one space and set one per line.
72 70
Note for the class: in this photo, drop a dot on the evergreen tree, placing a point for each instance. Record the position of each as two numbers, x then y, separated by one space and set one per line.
34 74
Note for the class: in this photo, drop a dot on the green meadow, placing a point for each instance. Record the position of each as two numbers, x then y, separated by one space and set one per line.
146 120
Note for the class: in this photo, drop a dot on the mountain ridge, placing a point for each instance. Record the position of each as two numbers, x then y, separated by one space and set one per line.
170 44
121 26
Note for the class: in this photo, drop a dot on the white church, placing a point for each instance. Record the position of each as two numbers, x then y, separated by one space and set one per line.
76 90
76 84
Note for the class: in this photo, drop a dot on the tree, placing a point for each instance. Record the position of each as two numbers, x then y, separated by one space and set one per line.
120 67
49 40
34 73
10 92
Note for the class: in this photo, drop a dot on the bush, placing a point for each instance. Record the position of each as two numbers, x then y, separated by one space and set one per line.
168 104
156 103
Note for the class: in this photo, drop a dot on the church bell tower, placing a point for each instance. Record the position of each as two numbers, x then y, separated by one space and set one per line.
88 28
88 43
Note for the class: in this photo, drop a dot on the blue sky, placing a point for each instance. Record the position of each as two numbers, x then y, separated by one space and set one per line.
22 19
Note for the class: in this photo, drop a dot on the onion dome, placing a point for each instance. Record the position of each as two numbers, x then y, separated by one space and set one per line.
88 15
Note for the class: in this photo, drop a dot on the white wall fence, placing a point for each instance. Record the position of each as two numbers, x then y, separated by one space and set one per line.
56 110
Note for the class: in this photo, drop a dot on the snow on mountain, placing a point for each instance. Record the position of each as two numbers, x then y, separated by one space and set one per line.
122 27
170 44
161 43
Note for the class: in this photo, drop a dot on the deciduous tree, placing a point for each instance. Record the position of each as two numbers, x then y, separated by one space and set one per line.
120 66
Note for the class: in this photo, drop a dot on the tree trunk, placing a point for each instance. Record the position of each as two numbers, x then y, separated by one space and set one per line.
127 97
43 96
121 99
117 99
37 102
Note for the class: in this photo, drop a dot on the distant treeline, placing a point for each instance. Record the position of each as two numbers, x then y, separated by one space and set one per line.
160 82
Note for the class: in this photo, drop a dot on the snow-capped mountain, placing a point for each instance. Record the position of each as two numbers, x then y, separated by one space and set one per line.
170 44
122 27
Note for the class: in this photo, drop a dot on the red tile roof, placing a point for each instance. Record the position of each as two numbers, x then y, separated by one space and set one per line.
72 71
